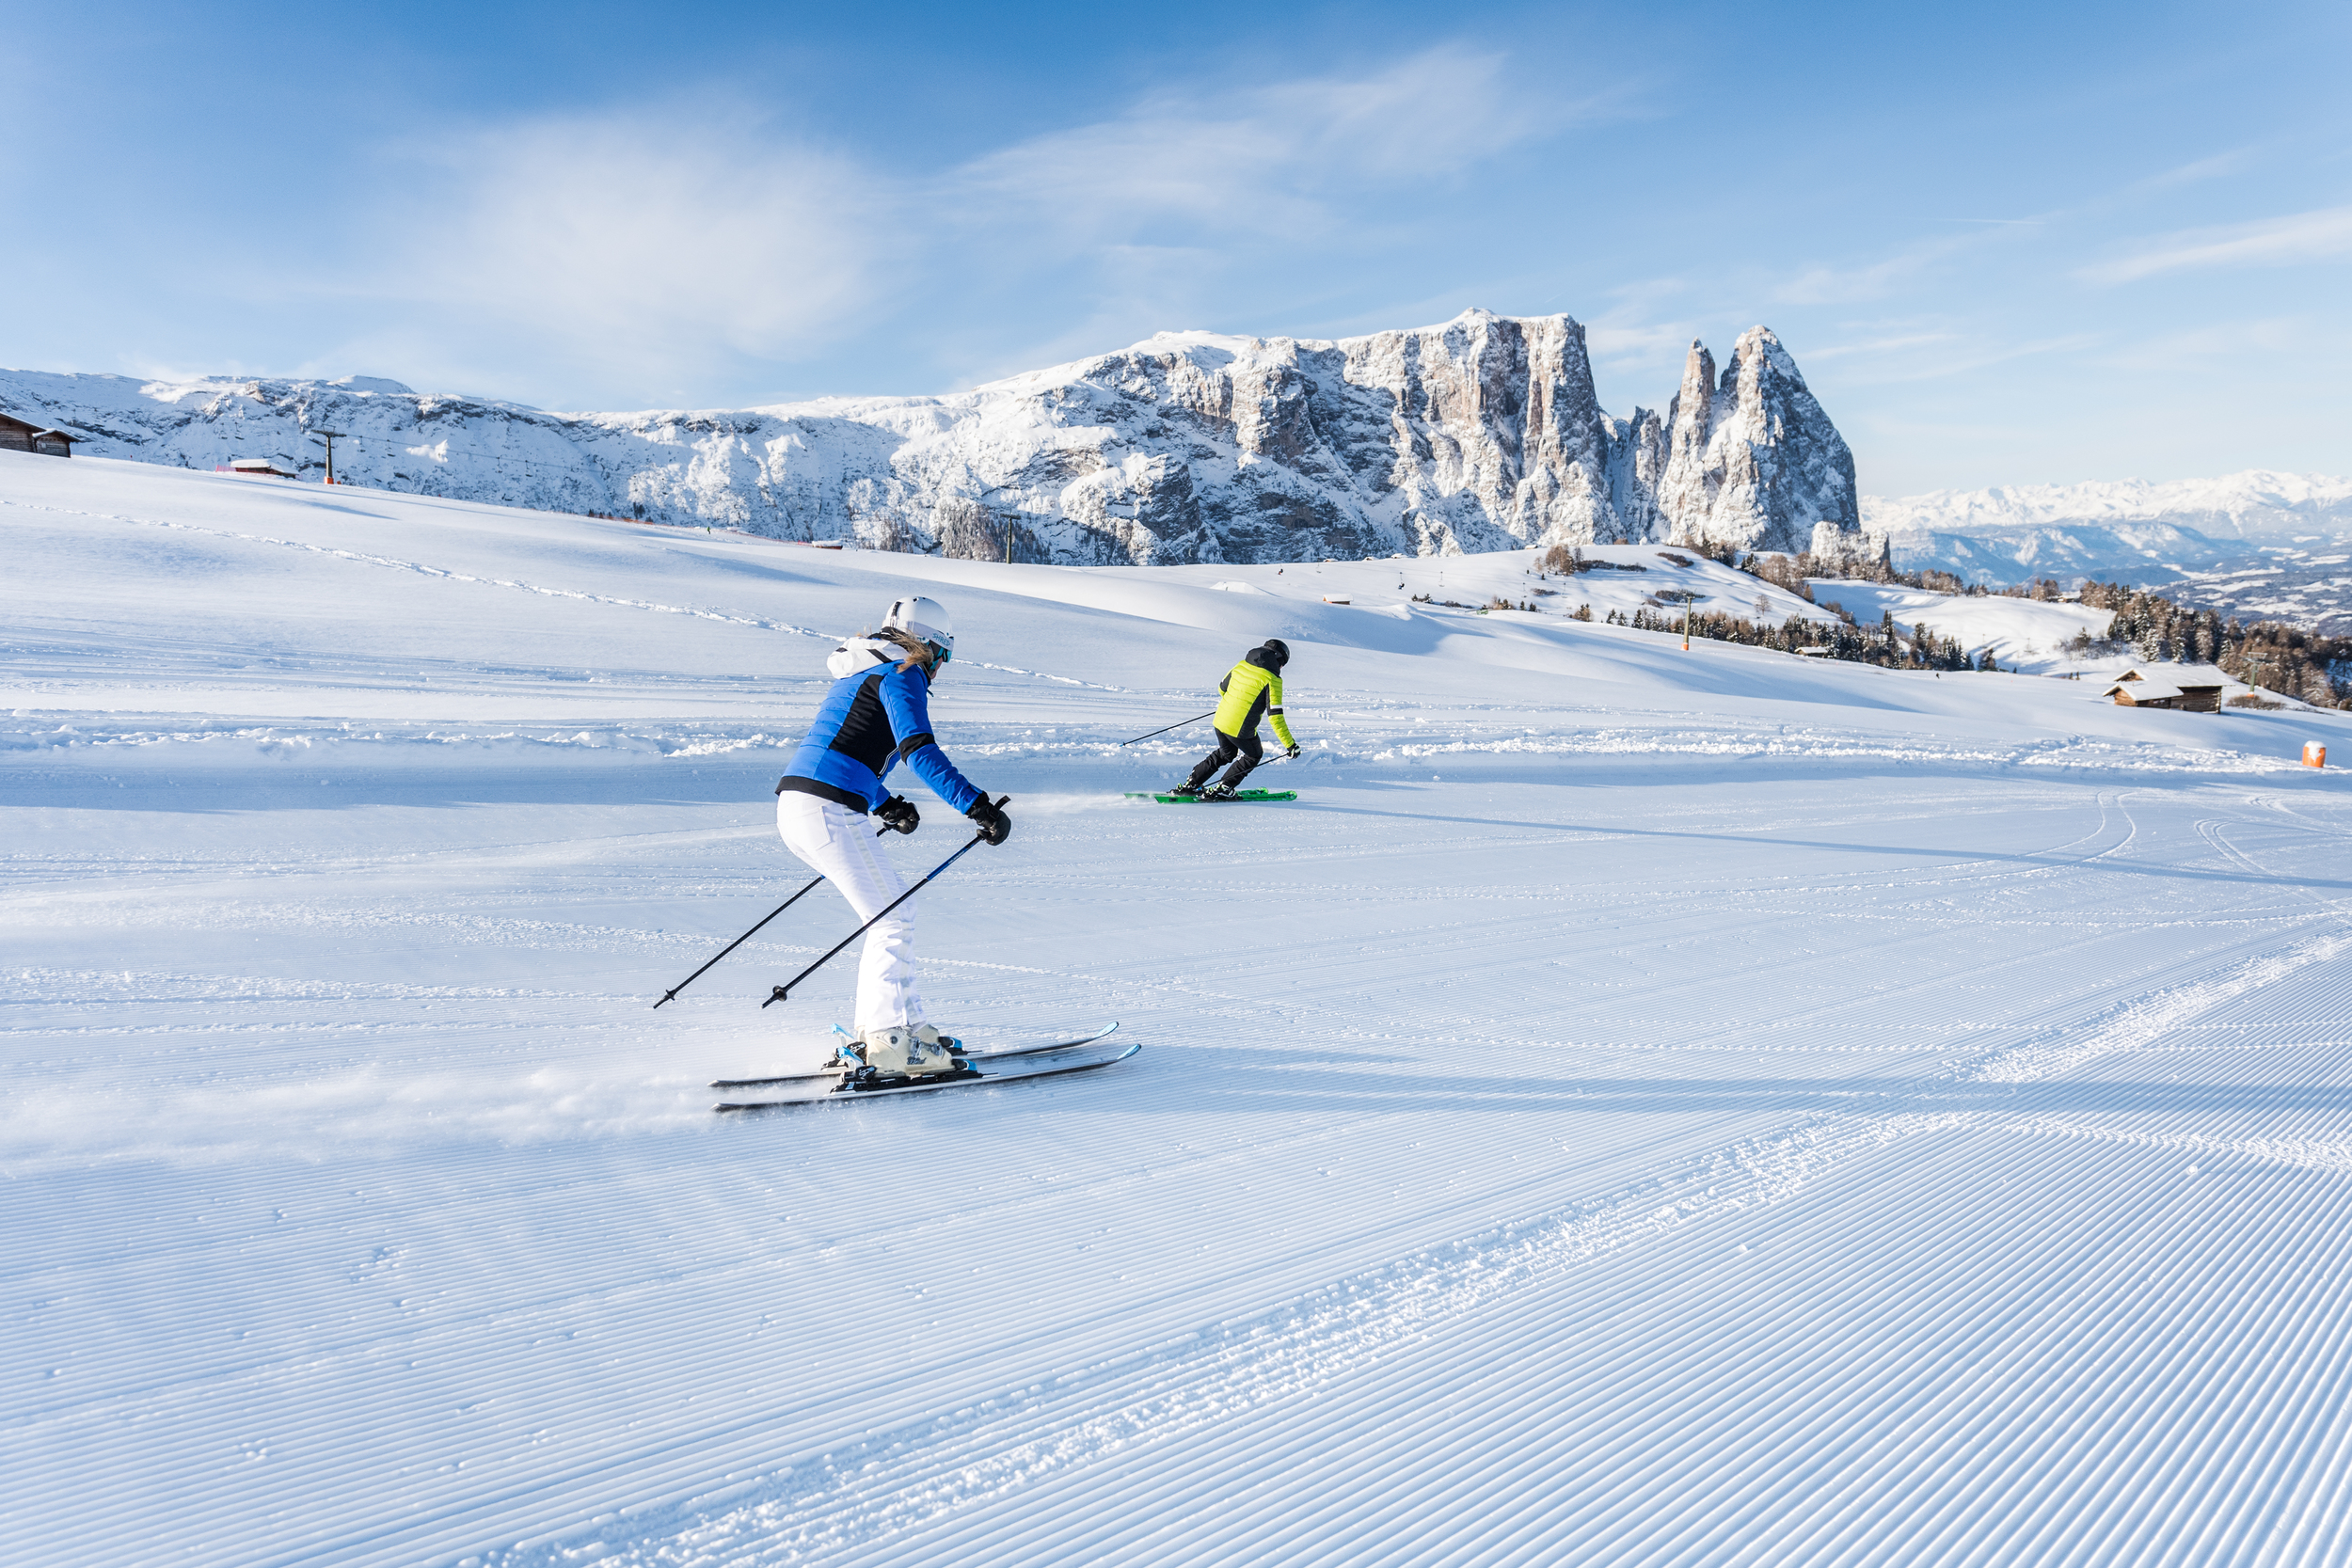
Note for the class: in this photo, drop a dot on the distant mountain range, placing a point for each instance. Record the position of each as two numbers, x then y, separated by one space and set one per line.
2256 545
2254 505
1482 434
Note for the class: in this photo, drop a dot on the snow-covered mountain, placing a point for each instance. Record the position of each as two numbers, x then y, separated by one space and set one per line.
2255 544
1479 434
1751 458
2128 528
2253 505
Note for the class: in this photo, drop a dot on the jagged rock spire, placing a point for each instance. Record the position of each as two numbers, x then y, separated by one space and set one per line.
1752 460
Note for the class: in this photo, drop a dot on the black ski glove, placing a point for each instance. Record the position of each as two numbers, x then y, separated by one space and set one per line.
994 824
1291 756
898 814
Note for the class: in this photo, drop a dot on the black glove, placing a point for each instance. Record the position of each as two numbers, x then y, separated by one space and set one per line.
1291 756
995 825
898 813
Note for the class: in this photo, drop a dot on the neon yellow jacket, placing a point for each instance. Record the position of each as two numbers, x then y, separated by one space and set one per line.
1251 689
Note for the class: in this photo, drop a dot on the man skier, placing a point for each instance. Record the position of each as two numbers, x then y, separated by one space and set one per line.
1253 688
876 714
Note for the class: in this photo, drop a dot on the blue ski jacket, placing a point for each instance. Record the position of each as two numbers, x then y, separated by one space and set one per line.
870 719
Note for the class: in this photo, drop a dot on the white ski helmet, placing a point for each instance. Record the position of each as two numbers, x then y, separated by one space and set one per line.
923 619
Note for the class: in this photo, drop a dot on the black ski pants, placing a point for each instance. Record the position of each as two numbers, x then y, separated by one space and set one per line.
1245 751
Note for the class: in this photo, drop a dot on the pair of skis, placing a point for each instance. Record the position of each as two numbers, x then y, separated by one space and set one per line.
1239 798
992 1066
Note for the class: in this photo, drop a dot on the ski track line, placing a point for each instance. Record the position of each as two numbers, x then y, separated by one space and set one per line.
1210 1376
904 1240
2216 835
2144 1020
1327 1336
2301 1153
1782 1477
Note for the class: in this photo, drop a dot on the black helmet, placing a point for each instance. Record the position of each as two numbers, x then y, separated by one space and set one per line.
1278 650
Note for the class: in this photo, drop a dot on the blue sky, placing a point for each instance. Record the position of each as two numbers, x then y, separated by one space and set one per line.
2007 243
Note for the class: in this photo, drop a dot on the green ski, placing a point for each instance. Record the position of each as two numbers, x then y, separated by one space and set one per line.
1239 798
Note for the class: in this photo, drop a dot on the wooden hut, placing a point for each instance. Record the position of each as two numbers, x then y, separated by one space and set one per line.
2190 687
19 436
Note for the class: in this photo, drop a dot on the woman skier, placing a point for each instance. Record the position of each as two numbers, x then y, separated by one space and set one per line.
876 714
1253 688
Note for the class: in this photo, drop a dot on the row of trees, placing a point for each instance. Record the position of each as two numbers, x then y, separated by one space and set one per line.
2279 657
1789 572
1880 645
2269 654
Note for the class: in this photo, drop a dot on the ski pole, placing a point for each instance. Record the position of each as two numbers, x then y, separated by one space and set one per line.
738 942
784 991
1178 726
745 937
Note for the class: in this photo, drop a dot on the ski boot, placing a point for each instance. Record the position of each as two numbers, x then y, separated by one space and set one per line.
1185 791
929 1036
900 1052
1216 792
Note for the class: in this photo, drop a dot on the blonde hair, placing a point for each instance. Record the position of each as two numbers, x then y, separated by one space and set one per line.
918 652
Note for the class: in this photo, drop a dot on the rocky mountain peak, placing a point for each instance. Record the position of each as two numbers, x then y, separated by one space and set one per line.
1482 433
1752 460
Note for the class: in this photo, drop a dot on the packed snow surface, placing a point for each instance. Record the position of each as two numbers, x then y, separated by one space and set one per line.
2024 634
1635 1106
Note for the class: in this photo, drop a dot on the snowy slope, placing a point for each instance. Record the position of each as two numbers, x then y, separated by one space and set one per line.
1481 433
1636 1106
2021 634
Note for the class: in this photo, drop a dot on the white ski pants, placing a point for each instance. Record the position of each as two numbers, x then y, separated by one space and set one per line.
840 844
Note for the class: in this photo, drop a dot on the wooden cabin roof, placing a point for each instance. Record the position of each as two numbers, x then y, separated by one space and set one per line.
2188 677
38 431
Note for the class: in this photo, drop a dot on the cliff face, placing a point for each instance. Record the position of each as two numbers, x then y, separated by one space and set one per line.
1752 459
1482 434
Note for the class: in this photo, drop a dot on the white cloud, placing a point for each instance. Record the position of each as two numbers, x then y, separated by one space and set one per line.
1824 285
1262 159
1968 359
647 248
1621 340
1881 345
2229 344
2200 169
2319 237
645 241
